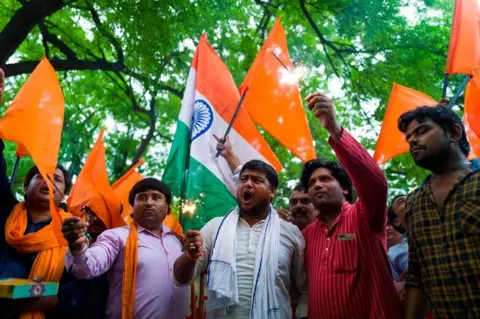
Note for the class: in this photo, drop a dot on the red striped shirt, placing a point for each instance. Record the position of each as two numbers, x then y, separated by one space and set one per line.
347 265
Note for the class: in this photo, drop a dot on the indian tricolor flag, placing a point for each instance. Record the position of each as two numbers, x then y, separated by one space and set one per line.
193 172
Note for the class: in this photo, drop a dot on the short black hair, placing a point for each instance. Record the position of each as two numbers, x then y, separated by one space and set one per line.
440 114
337 170
262 167
34 171
391 213
150 184
298 188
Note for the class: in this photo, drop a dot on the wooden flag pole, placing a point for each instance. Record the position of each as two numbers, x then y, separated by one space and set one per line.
201 302
224 138
14 173
460 91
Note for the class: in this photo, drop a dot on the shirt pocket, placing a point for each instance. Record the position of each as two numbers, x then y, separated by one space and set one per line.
345 255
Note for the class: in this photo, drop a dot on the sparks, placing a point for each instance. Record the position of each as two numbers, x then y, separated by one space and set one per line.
293 77
189 207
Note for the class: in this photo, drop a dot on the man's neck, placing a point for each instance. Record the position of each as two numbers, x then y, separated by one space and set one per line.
38 214
455 163
252 217
329 215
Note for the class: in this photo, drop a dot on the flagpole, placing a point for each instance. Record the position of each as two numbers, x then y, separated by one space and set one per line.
459 91
14 173
224 138
445 86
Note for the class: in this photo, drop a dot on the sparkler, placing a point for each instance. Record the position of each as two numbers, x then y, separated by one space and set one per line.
189 207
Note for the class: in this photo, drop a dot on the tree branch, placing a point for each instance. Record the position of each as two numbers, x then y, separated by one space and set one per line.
23 21
63 65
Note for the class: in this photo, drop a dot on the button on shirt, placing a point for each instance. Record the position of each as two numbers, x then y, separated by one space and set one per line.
155 296
347 265
290 265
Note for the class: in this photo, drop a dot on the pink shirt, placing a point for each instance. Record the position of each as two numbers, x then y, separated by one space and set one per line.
155 295
347 266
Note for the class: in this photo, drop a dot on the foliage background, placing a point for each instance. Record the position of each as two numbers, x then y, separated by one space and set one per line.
123 66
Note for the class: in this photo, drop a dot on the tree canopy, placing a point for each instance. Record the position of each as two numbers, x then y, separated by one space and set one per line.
123 66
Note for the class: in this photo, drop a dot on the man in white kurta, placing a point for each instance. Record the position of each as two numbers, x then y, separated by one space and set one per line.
251 255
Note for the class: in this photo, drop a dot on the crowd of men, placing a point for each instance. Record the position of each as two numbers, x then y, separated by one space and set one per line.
333 253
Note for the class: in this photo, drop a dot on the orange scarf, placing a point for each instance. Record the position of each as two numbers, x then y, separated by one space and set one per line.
49 262
129 272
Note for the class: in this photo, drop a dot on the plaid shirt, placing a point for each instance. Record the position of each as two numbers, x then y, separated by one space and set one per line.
444 246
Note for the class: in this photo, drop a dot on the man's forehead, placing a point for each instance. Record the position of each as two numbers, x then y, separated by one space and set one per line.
59 173
298 195
413 125
321 171
150 191
252 173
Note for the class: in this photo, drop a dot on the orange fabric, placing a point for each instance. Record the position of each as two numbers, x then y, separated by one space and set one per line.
38 106
124 185
464 47
21 151
209 65
49 262
471 118
93 189
391 142
130 273
172 222
273 98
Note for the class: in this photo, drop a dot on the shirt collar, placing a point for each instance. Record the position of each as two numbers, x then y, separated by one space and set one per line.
474 166
165 230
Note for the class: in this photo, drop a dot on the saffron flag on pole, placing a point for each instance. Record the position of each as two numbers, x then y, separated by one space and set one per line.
464 48
193 172
273 98
391 142
39 107
92 189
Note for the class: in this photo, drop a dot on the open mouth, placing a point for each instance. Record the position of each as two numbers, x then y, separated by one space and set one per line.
247 197
44 190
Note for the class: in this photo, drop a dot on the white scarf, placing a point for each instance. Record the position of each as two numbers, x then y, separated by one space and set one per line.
222 270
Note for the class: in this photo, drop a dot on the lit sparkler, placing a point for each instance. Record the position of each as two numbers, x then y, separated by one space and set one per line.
189 207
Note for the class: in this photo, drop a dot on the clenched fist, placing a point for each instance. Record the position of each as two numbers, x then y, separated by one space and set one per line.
325 112
74 231
193 243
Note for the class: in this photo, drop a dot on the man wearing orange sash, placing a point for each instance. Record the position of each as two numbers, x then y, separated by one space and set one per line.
28 246
137 258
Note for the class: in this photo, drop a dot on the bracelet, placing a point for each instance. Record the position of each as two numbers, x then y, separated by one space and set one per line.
191 258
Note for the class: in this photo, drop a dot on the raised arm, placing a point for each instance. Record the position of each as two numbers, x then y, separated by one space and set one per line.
84 262
227 153
367 178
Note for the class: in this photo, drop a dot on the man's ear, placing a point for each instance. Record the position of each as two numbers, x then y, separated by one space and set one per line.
456 133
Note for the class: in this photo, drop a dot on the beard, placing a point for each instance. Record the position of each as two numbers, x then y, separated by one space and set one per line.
431 161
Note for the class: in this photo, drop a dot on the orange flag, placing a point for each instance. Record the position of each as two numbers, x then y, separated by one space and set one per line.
124 185
464 47
92 188
35 120
471 117
273 98
391 142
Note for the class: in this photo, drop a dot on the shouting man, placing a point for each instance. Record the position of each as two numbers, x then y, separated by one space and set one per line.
251 254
